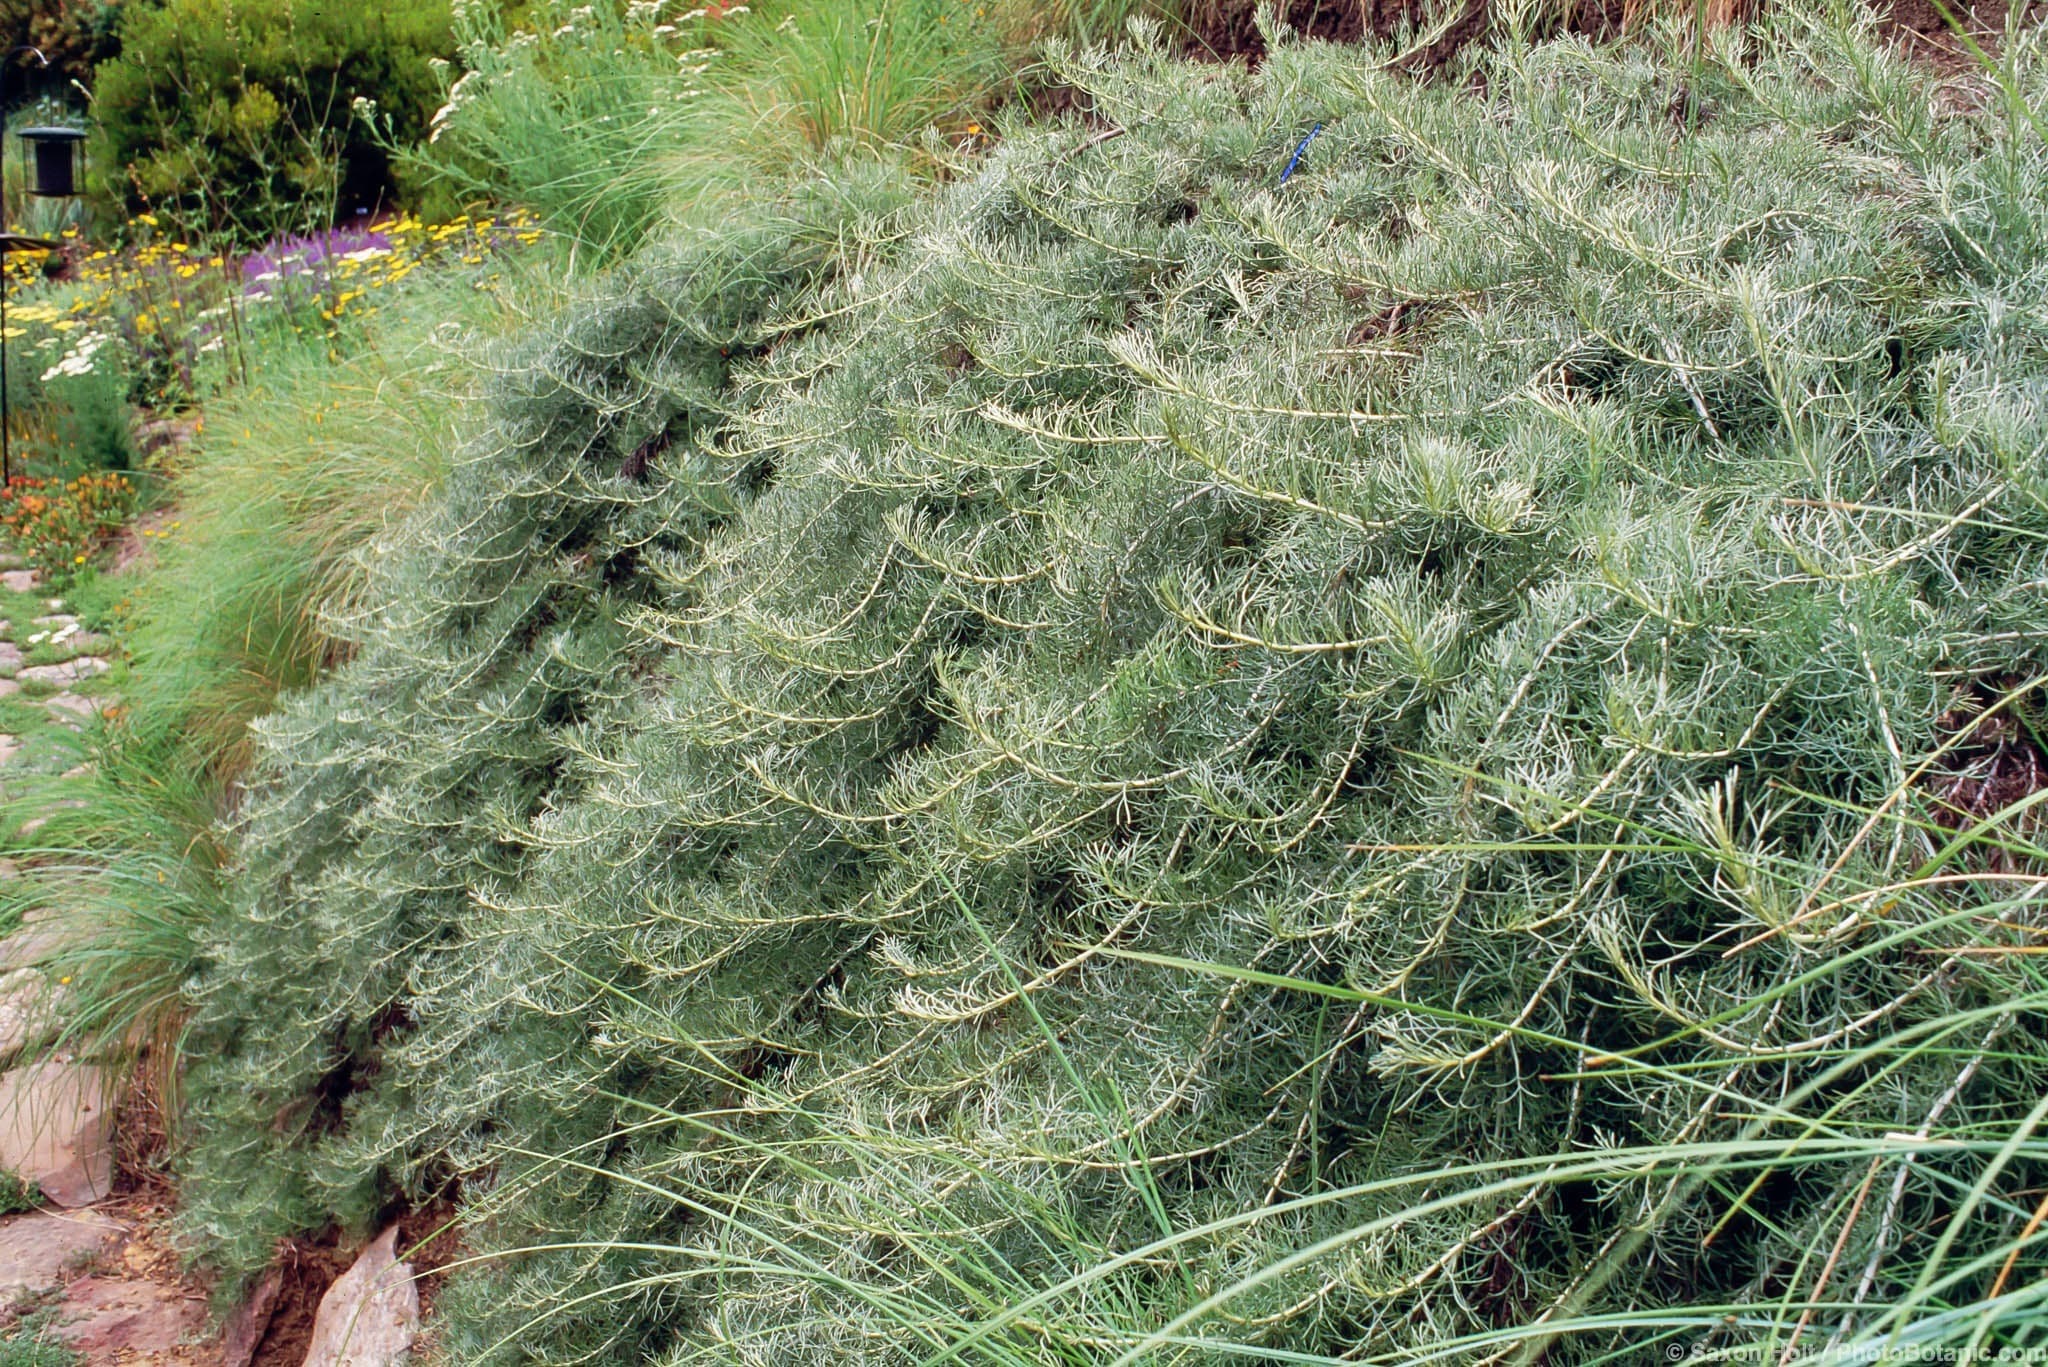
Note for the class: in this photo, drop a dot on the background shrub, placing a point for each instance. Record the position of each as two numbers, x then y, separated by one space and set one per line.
237 115
74 35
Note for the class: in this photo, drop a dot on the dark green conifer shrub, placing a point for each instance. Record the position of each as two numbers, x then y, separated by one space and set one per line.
1135 763
72 35
240 115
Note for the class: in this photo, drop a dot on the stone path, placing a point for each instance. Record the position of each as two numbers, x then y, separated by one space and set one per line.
56 1110
92 1270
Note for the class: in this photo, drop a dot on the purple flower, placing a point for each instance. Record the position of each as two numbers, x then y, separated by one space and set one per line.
294 257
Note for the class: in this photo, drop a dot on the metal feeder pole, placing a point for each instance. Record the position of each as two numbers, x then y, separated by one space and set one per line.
7 245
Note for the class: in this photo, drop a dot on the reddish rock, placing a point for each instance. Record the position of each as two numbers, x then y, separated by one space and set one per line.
244 1331
110 1319
371 1314
56 1129
39 1248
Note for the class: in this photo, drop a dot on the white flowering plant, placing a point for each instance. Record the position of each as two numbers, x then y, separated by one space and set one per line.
560 111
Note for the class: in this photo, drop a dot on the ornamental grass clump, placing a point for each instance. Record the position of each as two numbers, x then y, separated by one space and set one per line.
1124 762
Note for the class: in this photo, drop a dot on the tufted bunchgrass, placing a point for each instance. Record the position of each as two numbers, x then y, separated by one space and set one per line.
612 122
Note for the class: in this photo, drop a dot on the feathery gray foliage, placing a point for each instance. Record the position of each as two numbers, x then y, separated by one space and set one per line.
1162 754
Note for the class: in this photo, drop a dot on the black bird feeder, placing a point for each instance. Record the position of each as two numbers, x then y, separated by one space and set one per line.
54 161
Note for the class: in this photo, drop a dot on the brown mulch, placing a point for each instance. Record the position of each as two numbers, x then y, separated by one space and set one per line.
1998 761
430 1240
1225 30
309 1267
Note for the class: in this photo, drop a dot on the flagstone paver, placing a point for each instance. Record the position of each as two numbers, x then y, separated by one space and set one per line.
39 1247
57 1128
76 705
56 1111
69 672
117 1319
25 1006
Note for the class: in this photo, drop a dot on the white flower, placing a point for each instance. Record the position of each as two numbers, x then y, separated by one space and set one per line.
459 94
77 361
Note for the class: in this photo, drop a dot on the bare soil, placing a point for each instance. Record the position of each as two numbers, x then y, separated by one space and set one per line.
1997 760
1225 30
309 1267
